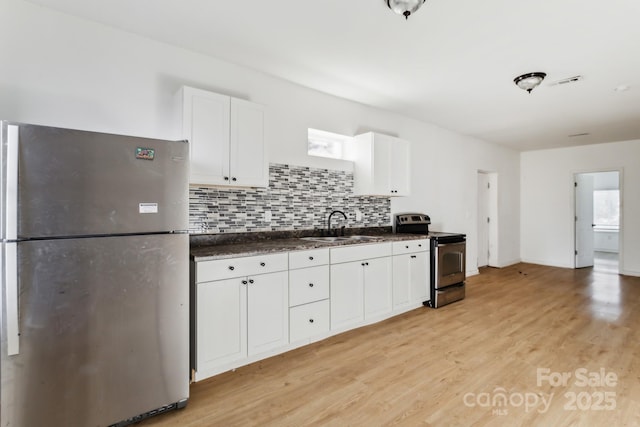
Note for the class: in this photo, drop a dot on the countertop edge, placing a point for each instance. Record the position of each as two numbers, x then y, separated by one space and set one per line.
237 250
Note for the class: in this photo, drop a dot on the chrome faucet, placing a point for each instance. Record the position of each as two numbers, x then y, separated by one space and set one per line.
329 222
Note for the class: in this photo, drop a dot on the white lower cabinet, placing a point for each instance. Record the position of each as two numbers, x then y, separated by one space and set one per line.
347 294
308 295
236 318
267 312
361 289
221 323
308 320
249 308
411 272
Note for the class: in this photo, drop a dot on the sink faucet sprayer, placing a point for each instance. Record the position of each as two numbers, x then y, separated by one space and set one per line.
329 222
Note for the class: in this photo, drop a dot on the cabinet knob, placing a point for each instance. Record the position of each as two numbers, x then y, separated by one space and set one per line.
407 246
226 178
413 256
231 267
311 258
262 264
250 280
233 179
311 285
419 245
310 320
244 282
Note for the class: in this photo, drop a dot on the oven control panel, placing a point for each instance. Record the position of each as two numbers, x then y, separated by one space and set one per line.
406 219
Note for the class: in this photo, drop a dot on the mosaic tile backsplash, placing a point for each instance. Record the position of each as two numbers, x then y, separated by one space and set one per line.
297 198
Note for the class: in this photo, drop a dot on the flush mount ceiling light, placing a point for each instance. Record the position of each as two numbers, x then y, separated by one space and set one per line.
529 81
405 7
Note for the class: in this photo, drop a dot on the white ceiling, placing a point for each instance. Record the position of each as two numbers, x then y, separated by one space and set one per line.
451 64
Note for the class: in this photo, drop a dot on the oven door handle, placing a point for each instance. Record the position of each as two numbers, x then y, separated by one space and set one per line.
442 245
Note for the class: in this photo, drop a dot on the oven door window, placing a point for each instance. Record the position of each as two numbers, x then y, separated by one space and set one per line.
451 264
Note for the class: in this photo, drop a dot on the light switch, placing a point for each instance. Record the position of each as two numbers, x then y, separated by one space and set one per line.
358 216
267 216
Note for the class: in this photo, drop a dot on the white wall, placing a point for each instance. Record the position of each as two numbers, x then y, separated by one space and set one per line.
546 186
63 71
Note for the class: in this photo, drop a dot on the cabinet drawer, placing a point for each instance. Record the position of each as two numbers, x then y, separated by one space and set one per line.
308 320
358 252
308 285
220 269
409 246
309 258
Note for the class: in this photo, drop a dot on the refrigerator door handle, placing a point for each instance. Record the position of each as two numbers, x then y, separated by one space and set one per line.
11 298
11 202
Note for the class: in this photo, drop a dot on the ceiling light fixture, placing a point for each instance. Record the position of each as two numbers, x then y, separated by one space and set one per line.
405 7
529 81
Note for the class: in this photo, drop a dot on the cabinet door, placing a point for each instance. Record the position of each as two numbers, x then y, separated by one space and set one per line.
347 302
206 127
221 323
382 173
247 159
268 312
419 265
308 285
399 168
377 287
309 320
381 165
401 281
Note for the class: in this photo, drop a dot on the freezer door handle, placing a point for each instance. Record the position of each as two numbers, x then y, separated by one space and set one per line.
11 298
11 201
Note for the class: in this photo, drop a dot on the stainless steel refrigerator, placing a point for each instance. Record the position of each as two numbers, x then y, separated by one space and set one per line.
95 295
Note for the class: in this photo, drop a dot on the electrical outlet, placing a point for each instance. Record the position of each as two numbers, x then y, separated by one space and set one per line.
267 216
358 216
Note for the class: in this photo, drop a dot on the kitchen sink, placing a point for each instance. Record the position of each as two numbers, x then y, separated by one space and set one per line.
332 239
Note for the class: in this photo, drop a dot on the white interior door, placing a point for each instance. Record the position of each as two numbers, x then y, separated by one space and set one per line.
483 219
584 220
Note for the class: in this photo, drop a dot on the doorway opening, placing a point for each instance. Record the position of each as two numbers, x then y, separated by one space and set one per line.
598 228
487 219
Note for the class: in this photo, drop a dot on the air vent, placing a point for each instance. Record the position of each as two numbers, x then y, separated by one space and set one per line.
578 134
567 81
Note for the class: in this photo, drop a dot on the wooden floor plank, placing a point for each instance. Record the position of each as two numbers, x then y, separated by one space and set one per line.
433 367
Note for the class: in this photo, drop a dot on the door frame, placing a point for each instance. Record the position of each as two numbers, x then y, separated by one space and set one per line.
620 171
492 204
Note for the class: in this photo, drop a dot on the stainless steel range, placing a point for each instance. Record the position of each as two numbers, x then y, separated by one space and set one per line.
448 258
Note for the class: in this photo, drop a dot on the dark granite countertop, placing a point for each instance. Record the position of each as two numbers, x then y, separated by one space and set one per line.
206 247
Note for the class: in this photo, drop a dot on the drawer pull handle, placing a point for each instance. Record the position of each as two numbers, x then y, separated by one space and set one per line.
250 280
244 282
310 320
231 267
413 256
311 285
310 258
262 264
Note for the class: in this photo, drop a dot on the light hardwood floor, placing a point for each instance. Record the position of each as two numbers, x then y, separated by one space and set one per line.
451 366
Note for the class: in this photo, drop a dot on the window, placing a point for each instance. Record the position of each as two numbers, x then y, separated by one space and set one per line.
606 208
326 144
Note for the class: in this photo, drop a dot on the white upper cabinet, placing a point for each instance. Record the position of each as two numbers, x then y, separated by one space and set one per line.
226 139
382 165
